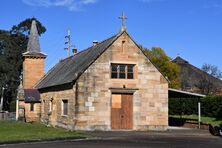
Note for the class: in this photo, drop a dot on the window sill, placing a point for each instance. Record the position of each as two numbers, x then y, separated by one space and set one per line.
64 115
123 90
114 79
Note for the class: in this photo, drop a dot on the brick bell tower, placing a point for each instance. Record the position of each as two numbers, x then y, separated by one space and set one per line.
33 64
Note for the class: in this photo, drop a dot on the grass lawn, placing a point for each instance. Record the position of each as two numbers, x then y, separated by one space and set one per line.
20 131
210 120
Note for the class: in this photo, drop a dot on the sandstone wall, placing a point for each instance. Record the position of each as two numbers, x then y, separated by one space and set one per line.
150 101
54 116
30 116
33 71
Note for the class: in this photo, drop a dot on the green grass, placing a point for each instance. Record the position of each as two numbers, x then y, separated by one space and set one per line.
20 131
209 120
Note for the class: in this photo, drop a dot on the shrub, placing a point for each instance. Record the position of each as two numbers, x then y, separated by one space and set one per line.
186 106
210 106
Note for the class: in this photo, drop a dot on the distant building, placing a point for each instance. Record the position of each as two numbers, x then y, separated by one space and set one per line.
195 80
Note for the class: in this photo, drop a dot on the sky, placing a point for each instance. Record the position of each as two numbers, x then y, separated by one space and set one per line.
189 28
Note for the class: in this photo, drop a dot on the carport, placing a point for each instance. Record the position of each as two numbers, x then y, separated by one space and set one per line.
174 93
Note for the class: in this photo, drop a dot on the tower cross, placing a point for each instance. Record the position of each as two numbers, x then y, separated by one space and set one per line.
123 18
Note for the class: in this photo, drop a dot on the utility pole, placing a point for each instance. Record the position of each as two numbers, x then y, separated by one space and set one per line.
68 42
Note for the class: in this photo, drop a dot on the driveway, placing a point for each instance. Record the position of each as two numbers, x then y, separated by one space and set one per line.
170 139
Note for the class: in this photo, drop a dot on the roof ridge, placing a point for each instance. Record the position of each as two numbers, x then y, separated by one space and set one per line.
175 60
89 47
204 72
98 43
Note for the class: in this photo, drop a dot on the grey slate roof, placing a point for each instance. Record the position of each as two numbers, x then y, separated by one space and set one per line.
69 69
33 47
31 95
191 75
33 43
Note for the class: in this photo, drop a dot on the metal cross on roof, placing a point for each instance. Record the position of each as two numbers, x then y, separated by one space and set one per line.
123 18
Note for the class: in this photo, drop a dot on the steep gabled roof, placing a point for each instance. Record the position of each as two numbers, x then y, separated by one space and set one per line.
69 69
192 75
33 47
33 43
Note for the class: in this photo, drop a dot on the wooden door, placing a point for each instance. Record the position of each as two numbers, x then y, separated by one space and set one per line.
121 113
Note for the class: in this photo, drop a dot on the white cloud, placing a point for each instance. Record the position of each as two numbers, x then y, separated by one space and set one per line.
72 5
88 1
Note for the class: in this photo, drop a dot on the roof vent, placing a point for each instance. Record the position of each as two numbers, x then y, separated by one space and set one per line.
95 42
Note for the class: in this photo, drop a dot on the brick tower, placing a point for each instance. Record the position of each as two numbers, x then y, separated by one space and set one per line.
33 64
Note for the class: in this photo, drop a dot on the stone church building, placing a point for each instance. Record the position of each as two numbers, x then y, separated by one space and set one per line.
111 85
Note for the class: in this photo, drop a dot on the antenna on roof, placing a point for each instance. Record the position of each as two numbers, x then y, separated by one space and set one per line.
68 42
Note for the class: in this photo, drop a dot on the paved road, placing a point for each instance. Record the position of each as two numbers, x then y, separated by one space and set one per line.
170 139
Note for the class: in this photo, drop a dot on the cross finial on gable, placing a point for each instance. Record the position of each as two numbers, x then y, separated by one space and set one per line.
123 18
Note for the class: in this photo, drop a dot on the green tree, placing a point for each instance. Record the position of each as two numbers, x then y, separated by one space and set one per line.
163 62
8 65
12 44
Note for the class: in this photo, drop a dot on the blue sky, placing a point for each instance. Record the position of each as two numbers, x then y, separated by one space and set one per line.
190 28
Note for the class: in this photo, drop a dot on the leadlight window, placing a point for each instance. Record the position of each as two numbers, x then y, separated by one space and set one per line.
122 71
130 71
114 73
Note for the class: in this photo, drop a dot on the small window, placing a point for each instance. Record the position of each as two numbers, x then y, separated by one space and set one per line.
31 107
122 71
65 107
43 106
50 105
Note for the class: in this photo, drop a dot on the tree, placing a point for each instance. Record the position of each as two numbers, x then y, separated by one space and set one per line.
12 44
163 62
207 84
212 70
23 28
8 64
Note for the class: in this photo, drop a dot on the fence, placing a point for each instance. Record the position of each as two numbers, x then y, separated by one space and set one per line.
7 115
